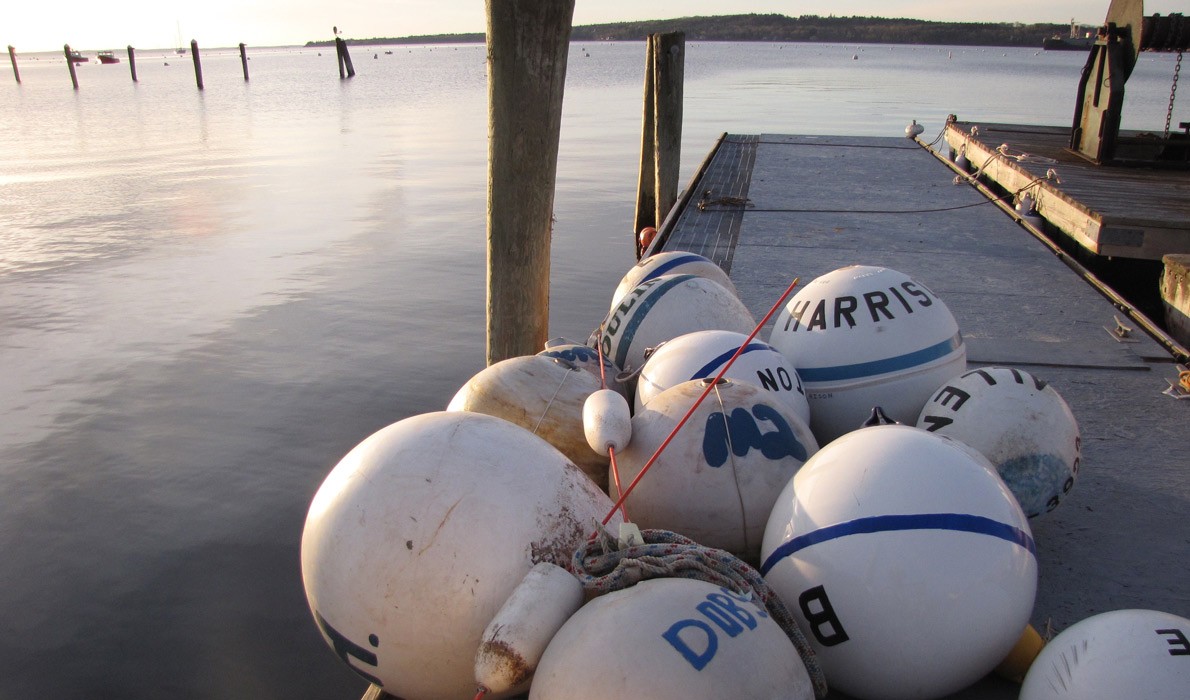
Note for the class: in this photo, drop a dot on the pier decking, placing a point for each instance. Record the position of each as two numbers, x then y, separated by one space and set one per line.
772 207
1112 211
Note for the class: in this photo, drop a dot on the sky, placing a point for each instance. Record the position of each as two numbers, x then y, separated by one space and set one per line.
45 25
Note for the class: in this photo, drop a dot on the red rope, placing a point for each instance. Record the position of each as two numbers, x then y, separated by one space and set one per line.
710 385
481 692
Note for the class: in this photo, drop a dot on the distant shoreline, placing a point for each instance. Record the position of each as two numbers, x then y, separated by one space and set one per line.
781 28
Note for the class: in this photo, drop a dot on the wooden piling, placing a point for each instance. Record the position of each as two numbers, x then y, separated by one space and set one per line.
344 59
661 131
646 182
527 43
12 56
668 75
132 62
74 79
244 60
197 62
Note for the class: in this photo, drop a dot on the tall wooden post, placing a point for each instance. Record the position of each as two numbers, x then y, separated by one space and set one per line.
646 182
527 42
74 79
344 59
12 56
132 62
197 62
661 131
244 60
669 62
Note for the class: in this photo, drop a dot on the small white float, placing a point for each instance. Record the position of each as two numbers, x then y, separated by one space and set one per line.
517 636
906 561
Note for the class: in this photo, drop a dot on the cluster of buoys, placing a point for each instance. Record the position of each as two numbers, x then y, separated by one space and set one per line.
435 555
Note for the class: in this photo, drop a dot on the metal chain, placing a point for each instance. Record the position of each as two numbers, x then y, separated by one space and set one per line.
1173 90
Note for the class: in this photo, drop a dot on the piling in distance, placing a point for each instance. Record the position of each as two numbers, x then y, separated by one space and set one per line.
661 131
244 60
74 79
197 62
344 59
12 56
527 42
669 73
132 62
646 182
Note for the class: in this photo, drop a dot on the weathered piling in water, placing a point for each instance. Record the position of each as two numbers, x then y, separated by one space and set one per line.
197 62
74 79
12 56
132 62
346 70
244 60
527 42
661 130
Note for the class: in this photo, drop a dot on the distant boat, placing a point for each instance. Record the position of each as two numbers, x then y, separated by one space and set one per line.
181 51
1073 42
107 57
76 57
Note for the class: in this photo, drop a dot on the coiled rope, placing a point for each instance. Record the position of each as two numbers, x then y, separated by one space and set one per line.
602 568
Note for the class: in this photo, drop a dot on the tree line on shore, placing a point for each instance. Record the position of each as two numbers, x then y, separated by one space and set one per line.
781 28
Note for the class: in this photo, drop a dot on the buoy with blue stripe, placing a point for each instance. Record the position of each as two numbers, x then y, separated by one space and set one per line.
1020 423
421 533
671 639
864 336
665 307
1117 654
717 479
544 395
703 354
905 560
673 262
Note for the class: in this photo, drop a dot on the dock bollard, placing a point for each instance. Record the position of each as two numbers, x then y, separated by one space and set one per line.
74 79
12 56
244 60
132 62
197 62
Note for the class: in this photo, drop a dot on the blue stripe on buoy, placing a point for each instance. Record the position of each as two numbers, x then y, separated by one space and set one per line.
958 522
718 362
665 267
885 366
637 315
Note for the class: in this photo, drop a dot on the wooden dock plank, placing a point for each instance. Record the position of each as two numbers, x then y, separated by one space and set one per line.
1135 212
1119 539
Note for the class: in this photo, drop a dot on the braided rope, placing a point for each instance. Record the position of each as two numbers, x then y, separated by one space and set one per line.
602 569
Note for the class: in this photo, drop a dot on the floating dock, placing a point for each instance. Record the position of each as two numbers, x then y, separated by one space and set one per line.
1111 211
769 208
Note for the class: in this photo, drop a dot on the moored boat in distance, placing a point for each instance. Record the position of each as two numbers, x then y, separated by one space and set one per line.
107 57
1071 42
76 57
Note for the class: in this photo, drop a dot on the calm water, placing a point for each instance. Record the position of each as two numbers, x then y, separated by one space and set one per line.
206 299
